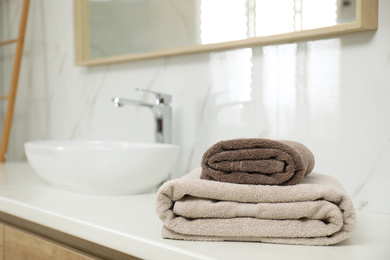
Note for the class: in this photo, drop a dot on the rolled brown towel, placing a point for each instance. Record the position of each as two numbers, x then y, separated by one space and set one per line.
257 161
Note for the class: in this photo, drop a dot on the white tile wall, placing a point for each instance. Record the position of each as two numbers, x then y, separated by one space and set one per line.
331 94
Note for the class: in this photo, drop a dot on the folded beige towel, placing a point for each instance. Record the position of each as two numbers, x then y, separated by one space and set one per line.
315 212
257 161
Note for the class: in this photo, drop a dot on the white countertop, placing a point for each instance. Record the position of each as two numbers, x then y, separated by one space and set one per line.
129 224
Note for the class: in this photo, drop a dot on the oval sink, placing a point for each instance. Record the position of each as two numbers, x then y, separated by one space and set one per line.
102 167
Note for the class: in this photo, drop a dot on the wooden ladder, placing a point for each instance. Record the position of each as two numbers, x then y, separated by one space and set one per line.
14 79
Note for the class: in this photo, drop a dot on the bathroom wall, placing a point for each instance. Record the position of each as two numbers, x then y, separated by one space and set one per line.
330 94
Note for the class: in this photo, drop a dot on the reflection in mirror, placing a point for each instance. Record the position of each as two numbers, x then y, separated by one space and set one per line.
109 31
136 26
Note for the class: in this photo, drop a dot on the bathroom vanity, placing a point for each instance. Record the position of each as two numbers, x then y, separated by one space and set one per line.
36 218
16 243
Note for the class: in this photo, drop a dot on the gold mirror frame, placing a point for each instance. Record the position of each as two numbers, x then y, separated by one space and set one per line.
366 19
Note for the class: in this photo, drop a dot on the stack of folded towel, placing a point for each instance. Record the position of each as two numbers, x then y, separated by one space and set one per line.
256 190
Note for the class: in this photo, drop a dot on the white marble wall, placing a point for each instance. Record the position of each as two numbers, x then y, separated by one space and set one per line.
332 95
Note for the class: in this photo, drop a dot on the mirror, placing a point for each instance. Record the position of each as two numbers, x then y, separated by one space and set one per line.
108 31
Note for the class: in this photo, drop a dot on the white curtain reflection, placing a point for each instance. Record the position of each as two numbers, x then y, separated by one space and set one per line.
282 96
274 17
231 74
318 13
323 83
228 20
222 20
279 86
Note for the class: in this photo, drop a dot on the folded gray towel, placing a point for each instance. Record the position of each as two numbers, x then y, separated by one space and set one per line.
257 161
314 212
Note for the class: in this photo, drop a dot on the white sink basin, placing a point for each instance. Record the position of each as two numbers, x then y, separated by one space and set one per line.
102 167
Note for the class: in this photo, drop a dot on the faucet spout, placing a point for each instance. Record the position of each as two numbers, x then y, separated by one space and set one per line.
161 111
120 102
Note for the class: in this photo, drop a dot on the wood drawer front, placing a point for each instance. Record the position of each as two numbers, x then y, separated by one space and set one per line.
1 241
22 245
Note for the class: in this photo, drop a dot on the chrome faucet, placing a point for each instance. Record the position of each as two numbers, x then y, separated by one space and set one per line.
161 111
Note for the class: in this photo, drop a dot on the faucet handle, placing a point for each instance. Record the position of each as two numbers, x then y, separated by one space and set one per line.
161 99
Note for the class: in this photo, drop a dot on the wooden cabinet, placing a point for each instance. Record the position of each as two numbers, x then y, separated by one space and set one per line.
1 241
17 244
24 240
